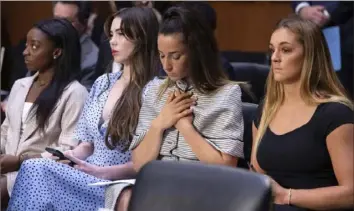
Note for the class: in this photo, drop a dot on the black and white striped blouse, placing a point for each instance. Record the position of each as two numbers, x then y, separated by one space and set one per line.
217 117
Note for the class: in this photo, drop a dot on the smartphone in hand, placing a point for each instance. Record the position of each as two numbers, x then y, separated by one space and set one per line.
59 154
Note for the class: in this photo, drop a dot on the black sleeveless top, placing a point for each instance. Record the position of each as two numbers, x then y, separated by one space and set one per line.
299 159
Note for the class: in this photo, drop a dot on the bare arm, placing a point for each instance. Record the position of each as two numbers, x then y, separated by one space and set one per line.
149 148
83 150
204 151
146 143
124 171
340 147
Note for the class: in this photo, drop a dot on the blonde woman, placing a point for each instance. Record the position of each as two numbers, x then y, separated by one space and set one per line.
303 135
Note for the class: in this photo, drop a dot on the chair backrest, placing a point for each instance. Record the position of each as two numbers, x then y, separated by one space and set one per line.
187 186
242 56
255 74
249 111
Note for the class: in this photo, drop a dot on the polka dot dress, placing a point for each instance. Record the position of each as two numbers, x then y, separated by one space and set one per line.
45 185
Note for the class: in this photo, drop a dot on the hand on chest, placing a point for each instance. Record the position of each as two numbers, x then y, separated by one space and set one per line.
205 110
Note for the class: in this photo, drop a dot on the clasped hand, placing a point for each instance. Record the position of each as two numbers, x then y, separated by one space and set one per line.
177 111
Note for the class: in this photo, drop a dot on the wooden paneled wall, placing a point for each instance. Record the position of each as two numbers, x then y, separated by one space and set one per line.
21 15
243 26
247 26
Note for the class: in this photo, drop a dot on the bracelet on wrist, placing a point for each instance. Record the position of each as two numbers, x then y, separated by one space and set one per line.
289 196
24 157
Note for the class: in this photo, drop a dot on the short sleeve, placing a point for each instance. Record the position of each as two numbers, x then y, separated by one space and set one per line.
147 88
258 116
146 114
225 132
82 131
335 115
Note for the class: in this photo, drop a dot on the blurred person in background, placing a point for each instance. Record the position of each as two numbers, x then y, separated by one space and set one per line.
326 14
78 13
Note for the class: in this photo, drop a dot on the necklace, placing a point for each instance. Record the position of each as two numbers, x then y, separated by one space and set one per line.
40 83
183 85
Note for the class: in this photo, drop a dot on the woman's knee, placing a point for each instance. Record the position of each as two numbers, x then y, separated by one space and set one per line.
124 199
35 163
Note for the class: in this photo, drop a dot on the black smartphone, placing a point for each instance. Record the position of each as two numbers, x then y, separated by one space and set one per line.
59 154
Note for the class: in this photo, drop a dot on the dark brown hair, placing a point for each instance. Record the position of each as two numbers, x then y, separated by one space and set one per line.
205 67
139 25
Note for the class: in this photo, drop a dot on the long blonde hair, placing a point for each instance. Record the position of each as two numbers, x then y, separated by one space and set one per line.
318 81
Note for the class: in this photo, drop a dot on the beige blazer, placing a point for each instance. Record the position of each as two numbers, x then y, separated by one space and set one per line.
58 133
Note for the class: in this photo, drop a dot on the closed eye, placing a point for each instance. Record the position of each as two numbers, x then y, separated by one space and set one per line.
286 50
176 57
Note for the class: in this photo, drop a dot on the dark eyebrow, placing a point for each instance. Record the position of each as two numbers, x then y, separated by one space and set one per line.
173 52
117 30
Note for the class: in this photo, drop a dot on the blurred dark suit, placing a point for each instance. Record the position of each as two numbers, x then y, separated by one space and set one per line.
341 14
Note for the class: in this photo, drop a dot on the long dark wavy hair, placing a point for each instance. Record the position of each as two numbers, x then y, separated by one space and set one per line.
66 66
139 25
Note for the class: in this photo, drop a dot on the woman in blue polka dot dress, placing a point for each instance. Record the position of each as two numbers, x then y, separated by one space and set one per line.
111 110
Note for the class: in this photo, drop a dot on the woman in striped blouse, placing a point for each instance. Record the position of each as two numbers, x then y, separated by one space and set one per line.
194 114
